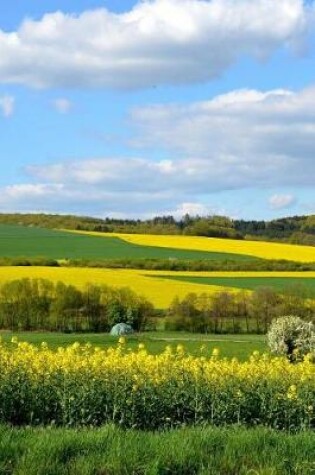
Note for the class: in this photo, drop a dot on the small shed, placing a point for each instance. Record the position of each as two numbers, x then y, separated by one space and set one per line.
121 329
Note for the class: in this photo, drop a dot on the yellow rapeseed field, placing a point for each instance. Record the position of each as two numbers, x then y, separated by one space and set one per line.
159 291
85 385
147 283
262 249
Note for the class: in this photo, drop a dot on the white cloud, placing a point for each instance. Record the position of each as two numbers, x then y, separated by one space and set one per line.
62 105
241 139
29 191
157 42
281 201
7 105
193 209
238 141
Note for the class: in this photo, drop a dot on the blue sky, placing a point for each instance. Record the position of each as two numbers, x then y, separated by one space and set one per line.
136 109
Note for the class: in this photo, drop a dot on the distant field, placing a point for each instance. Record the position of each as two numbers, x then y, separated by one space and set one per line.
20 241
304 284
159 291
265 250
230 346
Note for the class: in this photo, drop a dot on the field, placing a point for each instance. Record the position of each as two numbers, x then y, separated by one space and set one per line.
151 284
229 346
265 250
303 284
86 385
19 241
168 402
189 451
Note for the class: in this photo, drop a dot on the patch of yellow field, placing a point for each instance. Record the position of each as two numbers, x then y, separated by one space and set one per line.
263 249
158 290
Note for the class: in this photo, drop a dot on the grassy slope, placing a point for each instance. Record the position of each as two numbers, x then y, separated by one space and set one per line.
265 250
190 451
18 241
305 285
239 346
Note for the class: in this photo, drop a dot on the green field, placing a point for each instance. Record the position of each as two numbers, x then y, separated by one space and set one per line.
239 346
20 241
302 285
190 451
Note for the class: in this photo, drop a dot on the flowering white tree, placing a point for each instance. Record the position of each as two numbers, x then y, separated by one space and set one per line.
291 336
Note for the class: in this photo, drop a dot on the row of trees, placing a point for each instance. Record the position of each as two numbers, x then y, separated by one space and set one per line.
231 312
253 264
296 229
38 304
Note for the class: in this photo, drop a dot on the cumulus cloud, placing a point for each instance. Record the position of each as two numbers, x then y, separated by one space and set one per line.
195 209
281 201
243 140
236 140
156 42
7 105
62 105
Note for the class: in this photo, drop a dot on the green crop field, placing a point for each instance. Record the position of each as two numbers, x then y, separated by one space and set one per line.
303 285
239 346
20 241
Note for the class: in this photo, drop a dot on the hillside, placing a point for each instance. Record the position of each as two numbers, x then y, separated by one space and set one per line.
295 230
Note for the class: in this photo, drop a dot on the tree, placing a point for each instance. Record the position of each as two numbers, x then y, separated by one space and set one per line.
291 336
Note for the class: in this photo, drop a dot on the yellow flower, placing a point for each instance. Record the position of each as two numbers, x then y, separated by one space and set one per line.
215 352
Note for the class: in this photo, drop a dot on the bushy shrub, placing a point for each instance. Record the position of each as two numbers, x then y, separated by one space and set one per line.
291 336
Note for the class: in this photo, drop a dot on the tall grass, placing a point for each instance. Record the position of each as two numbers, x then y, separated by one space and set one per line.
112 451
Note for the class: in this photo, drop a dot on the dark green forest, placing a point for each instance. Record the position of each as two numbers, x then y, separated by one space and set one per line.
295 229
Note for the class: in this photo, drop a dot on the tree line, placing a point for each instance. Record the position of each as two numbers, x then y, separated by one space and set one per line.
39 304
228 264
237 312
296 229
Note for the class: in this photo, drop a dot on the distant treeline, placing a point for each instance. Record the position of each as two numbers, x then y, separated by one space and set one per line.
39 304
165 264
296 229
237 312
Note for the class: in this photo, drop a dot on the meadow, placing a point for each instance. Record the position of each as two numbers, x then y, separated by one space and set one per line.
304 284
20 241
229 346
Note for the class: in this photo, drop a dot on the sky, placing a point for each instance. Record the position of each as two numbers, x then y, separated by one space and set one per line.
133 109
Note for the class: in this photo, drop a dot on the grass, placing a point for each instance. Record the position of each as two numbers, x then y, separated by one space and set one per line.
189 451
20 241
239 346
294 284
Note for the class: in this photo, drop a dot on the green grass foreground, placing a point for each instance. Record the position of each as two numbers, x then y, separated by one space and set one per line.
18 241
193 451
229 346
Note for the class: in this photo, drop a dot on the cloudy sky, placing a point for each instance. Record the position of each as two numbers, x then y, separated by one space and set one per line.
140 108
